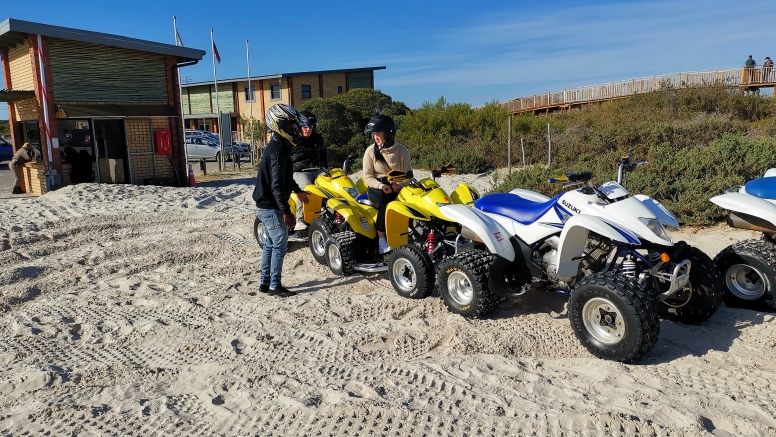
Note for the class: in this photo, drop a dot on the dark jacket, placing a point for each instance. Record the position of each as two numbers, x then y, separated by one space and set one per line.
309 153
275 179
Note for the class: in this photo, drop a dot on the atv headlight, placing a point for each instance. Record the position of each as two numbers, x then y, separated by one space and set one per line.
352 192
654 225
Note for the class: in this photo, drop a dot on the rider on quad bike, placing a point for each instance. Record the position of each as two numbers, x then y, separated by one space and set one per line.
382 157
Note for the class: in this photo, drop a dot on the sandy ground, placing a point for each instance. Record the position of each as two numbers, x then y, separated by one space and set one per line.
135 311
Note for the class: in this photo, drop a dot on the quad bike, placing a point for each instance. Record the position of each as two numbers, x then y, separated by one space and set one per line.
421 235
749 267
607 250
332 183
413 225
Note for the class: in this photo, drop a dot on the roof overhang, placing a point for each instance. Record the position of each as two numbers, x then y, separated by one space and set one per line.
88 111
14 32
279 76
15 96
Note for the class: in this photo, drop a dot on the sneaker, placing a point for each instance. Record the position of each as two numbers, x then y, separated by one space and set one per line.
264 288
281 291
17 190
300 225
383 247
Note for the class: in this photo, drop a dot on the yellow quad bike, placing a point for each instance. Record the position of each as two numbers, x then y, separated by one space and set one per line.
332 183
414 225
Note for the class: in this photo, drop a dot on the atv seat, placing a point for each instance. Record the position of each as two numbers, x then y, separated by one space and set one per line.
764 188
364 199
515 207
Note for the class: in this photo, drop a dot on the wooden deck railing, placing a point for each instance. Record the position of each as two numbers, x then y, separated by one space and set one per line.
739 77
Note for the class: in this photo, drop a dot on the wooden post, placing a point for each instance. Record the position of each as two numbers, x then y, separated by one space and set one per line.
522 147
509 145
549 146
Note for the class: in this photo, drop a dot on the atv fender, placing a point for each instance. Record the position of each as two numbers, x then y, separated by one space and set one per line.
574 237
530 195
397 222
312 208
358 218
486 230
464 194
361 186
664 216
748 205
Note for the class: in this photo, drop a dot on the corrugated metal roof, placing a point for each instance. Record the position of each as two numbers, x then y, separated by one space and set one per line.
14 32
278 76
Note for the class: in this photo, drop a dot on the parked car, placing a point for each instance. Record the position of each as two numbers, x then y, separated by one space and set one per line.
6 151
202 147
79 139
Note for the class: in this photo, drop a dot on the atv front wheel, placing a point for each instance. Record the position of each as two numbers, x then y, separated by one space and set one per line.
259 232
613 318
411 271
748 269
317 234
463 284
339 253
700 298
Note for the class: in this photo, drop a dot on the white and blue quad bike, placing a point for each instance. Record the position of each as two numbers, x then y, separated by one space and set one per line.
608 250
748 266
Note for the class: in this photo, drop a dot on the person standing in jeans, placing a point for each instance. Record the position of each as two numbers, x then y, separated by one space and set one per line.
274 184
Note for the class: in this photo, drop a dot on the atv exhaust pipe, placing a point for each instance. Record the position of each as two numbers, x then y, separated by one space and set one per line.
749 222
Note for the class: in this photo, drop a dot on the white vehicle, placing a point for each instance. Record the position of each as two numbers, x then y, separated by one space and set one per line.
748 266
609 251
202 147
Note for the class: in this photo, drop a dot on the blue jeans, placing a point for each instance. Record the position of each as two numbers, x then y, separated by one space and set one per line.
275 246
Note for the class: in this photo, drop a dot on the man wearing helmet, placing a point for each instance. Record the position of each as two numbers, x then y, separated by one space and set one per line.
274 184
380 158
309 159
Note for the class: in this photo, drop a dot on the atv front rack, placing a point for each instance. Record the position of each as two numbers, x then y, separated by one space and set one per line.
678 279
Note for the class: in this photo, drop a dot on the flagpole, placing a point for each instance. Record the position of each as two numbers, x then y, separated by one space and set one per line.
178 42
253 94
218 107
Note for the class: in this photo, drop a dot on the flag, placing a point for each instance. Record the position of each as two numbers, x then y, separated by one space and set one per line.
178 41
215 52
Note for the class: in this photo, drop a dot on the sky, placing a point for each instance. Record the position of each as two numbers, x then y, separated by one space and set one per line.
464 51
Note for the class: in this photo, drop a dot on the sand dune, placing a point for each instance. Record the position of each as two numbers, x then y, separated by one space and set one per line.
135 311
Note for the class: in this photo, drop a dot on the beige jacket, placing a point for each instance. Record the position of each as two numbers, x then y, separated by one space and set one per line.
24 155
397 157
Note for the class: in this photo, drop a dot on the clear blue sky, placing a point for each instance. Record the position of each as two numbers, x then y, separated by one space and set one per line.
465 51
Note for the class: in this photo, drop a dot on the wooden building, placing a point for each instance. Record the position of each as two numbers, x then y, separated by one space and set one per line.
80 96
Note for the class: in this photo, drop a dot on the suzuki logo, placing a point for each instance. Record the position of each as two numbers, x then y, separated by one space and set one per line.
571 207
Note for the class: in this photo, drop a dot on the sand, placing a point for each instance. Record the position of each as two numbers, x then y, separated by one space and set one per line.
132 310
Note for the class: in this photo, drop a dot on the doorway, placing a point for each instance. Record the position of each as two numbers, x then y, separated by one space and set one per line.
111 144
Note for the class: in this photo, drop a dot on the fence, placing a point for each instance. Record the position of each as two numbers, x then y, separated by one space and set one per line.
739 77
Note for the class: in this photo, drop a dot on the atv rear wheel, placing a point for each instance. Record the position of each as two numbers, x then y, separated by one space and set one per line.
463 284
702 295
259 232
748 271
613 318
411 271
318 232
339 253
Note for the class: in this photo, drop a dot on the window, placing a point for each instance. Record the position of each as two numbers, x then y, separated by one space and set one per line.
274 91
307 92
339 89
250 94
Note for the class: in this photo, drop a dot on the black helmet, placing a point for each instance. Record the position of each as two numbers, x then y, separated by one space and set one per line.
382 123
308 118
283 120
